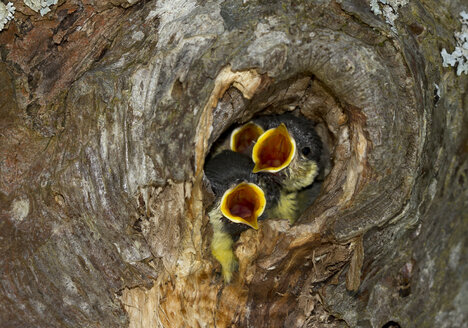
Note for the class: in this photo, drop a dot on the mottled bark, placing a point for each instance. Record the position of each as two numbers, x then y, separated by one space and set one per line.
108 111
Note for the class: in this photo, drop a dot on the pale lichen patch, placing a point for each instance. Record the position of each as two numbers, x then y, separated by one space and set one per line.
6 13
459 57
41 6
20 209
388 9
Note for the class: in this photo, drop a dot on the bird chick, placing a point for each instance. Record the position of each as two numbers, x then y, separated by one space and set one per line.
242 198
289 149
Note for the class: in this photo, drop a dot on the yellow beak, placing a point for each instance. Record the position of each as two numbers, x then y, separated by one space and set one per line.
274 150
244 203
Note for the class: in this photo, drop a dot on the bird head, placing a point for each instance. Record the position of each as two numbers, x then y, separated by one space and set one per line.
290 149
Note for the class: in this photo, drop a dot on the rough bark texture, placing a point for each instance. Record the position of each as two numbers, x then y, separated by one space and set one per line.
108 111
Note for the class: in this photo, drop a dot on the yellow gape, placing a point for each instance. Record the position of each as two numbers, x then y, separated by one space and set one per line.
244 137
274 150
244 204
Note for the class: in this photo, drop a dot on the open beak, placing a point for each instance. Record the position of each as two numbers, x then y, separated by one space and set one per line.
244 137
244 203
274 150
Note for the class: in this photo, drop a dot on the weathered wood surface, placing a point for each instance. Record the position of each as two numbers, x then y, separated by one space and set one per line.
108 110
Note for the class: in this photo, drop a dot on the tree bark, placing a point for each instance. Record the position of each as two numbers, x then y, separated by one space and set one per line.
108 111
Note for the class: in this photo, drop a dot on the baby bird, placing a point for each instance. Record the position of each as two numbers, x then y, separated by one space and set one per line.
242 198
291 147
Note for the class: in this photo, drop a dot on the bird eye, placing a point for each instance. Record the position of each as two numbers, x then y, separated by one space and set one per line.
305 151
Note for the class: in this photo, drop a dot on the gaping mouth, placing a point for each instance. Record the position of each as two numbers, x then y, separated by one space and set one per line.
274 150
244 137
244 204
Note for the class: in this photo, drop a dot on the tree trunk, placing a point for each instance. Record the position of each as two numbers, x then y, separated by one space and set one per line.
108 111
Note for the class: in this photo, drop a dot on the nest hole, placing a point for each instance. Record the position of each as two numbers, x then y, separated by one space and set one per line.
391 324
303 96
